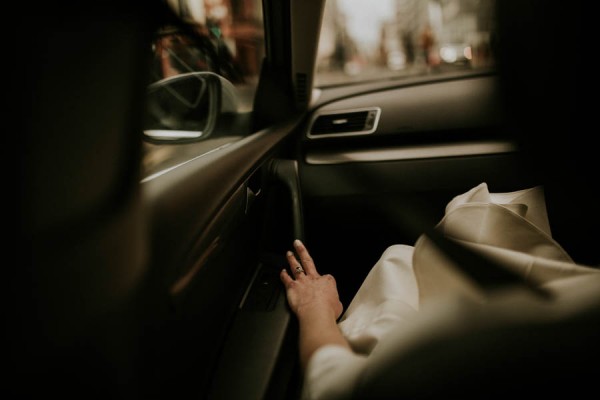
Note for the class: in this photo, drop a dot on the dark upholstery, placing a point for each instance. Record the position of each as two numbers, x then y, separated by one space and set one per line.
75 312
543 51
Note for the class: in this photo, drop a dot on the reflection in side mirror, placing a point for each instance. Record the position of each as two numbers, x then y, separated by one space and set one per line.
186 107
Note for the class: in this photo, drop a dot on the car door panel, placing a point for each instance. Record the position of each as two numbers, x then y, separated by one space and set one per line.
260 348
183 202
206 224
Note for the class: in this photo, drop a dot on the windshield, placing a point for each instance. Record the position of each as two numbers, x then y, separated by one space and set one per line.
378 39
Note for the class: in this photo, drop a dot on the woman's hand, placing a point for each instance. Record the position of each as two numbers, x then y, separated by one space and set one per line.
309 292
315 301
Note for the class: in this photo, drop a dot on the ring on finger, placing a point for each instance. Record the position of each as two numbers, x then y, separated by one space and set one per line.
299 270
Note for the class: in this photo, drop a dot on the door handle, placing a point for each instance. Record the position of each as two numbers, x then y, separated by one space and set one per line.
286 171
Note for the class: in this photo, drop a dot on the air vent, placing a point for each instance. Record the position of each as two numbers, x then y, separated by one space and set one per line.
345 123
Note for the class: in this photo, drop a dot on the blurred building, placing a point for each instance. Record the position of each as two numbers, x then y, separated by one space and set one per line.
452 23
469 23
336 46
411 36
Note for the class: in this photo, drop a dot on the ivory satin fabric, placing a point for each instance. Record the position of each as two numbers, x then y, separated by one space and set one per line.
413 292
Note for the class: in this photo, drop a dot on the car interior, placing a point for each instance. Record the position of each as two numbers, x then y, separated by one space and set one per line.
164 282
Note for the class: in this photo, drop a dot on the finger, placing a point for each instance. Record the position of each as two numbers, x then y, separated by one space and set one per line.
305 258
295 266
285 278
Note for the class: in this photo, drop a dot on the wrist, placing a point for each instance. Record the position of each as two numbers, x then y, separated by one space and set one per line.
315 311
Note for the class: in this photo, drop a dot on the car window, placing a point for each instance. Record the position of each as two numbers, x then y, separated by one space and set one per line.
371 40
203 77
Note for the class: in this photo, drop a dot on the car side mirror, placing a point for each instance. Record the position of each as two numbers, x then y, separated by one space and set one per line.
187 107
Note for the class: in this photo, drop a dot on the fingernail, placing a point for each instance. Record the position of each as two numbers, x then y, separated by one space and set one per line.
289 254
297 243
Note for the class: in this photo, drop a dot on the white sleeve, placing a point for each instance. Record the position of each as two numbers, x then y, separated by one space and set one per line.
331 373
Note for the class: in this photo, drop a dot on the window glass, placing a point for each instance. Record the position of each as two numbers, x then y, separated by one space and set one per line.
204 74
367 40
